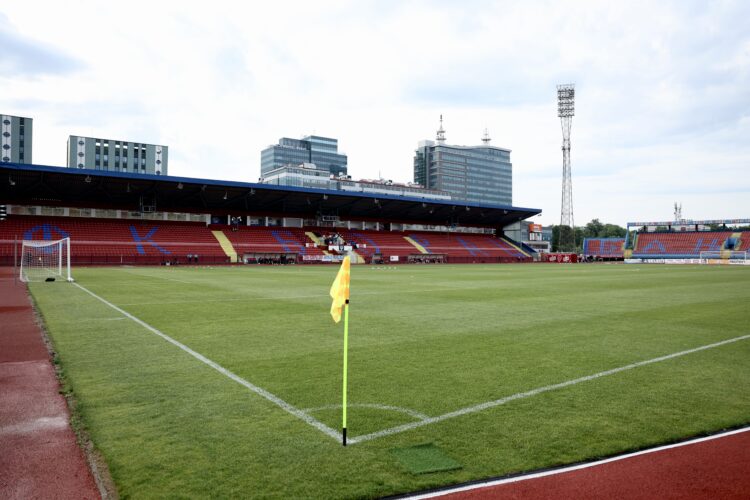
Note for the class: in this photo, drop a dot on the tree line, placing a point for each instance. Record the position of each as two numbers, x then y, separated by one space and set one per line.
594 229
598 229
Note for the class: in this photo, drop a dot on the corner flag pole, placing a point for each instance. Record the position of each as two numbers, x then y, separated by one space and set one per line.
340 295
346 351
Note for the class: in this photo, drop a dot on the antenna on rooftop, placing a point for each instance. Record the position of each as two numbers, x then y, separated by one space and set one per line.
441 132
486 137
677 211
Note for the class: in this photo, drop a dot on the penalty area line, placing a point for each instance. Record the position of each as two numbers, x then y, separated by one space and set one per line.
534 392
292 410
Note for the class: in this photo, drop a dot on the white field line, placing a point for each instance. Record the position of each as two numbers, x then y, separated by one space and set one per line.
254 388
423 419
533 392
563 470
408 411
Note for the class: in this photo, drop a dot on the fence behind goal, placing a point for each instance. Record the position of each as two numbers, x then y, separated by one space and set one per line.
45 260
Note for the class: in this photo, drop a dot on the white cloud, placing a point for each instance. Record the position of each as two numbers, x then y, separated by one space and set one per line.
662 111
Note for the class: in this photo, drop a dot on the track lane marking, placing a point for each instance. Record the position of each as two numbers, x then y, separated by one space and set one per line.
571 468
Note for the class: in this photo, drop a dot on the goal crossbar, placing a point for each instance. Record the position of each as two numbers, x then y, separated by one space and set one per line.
43 260
723 256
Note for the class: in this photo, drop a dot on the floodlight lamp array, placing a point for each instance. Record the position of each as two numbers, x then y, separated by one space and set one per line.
566 95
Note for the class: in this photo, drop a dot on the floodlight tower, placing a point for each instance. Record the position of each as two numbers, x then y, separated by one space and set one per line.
565 110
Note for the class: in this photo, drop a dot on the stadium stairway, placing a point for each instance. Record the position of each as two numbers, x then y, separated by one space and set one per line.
416 245
226 245
355 257
316 239
526 248
732 244
515 245
738 238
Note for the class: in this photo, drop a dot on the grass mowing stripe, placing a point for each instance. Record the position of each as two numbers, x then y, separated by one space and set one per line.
534 392
297 297
258 390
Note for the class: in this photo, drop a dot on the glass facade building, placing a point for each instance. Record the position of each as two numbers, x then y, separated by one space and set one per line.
322 151
309 176
117 156
482 174
15 139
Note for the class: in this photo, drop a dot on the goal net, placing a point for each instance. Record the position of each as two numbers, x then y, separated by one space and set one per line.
45 260
710 257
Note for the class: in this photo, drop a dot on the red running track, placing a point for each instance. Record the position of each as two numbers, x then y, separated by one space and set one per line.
39 456
710 468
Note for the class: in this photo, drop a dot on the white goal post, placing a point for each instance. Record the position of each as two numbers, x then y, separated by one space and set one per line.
711 257
45 260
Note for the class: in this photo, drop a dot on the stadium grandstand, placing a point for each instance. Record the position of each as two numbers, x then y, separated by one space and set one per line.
604 248
712 241
115 218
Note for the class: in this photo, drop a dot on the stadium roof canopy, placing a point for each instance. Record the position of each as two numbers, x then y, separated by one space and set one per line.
689 222
60 186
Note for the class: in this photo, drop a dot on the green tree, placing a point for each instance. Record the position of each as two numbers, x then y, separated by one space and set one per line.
555 238
593 229
613 231
566 230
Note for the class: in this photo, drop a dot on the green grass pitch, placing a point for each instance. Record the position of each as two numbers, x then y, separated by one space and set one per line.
425 341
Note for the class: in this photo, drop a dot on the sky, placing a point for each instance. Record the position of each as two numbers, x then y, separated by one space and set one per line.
662 89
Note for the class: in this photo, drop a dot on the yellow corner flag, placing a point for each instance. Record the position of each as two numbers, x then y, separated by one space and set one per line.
340 296
340 290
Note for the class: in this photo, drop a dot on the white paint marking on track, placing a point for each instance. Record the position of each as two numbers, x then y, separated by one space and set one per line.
35 425
563 470
254 388
534 392
407 411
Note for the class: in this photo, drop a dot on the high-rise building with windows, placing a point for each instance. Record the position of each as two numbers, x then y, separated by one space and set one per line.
482 174
117 156
15 139
308 175
322 151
